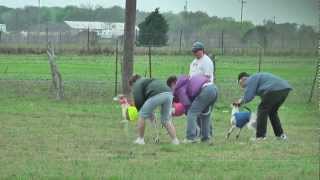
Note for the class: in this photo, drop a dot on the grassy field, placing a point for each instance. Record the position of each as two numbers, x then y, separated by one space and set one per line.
81 137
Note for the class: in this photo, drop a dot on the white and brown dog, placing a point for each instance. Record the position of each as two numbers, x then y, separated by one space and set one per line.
240 119
125 104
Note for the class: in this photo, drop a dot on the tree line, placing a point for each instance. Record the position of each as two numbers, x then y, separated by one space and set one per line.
193 25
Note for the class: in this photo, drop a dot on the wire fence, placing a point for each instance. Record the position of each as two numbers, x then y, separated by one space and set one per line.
89 41
93 78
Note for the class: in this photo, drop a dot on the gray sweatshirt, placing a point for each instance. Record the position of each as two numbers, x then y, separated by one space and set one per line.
261 83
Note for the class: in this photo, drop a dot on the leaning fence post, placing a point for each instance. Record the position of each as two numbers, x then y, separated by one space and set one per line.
55 73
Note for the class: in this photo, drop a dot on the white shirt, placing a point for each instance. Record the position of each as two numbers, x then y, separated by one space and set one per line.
202 66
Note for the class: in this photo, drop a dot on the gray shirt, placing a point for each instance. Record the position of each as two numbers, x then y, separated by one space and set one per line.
261 83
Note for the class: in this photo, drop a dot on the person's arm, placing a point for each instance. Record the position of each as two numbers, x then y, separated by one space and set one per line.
208 69
250 90
138 97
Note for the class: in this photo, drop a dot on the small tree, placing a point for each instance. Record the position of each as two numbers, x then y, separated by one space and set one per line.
153 30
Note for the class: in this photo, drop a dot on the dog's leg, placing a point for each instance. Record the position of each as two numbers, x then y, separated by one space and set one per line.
156 138
238 134
230 131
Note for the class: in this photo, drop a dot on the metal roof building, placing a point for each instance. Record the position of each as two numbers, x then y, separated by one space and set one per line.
103 29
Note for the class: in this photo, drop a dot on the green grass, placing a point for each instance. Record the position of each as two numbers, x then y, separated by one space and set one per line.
82 137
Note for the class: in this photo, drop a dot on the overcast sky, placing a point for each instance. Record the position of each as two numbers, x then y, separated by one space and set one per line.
298 11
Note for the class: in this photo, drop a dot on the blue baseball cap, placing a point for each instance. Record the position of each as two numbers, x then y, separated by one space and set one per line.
197 46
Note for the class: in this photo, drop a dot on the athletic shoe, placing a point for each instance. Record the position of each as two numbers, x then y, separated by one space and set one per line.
190 141
257 139
139 141
175 141
282 137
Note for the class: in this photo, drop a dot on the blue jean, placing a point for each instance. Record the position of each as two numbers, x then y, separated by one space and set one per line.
201 108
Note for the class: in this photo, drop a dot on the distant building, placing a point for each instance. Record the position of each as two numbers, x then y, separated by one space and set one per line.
3 28
103 29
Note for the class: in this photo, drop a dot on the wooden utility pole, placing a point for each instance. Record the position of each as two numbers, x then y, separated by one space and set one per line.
242 3
128 47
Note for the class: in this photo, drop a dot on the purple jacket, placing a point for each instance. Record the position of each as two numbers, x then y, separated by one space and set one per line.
188 88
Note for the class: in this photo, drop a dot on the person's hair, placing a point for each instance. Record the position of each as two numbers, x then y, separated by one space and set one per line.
242 74
133 79
171 80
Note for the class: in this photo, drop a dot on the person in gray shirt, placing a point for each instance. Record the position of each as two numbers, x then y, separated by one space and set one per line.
273 92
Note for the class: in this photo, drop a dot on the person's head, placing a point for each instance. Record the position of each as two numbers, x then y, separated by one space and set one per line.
198 49
171 81
242 77
133 79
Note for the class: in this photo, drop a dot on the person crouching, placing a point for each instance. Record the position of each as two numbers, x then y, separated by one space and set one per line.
148 94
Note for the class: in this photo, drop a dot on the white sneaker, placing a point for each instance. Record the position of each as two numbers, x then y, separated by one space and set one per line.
139 141
190 141
282 137
175 141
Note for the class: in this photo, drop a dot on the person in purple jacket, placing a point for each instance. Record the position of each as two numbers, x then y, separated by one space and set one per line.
198 99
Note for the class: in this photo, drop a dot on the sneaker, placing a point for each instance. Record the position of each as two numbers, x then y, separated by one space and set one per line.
282 137
175 141
257 139
139 141
198 131
208 141
190 141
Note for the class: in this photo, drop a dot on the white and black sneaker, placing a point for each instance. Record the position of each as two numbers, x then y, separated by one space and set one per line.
282 137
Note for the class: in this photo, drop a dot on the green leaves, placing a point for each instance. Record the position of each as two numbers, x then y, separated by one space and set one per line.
153 30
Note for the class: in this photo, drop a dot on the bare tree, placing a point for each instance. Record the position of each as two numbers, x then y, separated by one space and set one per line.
129 38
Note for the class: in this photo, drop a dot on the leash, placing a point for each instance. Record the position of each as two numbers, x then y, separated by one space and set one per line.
246 108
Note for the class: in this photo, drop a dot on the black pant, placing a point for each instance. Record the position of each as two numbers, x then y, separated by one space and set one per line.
270 103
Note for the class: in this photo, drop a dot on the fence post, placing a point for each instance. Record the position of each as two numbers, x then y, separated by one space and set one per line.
222 42
260 59
47 36
150 68
180 41
314 81
116 73
88 40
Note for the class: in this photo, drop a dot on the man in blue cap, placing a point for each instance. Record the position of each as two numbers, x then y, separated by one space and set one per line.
273 92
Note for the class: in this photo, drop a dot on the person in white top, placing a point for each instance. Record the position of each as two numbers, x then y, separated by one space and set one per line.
202 64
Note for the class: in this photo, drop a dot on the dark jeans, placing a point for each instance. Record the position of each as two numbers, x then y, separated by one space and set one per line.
269 106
